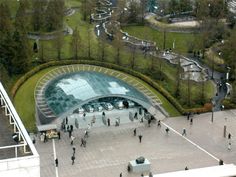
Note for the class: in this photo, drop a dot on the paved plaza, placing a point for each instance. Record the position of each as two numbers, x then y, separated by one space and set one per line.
109 149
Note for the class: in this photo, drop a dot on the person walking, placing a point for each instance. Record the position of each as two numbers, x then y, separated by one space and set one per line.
103 114
149 122
66 120
159 123
73 159
72 140
135 132
191 121
108 122
167 130
56 162
59 135
140 138
229 146
70 133
229 136
121 174
71 128
73 150
186 168
150 174
184 132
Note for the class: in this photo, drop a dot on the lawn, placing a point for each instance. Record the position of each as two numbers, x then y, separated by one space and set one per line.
24 100
182 41
25 103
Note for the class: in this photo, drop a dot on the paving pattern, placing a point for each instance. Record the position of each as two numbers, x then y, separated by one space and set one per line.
109 149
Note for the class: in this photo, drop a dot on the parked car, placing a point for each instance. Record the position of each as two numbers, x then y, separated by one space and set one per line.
88 108
97 107
79 110
107 106
119 104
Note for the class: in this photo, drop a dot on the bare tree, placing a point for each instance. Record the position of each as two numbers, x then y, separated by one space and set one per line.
133 53
58 41
75 43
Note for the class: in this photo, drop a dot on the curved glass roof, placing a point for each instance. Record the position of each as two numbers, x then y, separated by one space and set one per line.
70 90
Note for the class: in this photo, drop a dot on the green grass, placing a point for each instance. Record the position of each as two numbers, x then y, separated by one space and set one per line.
24 100
25 103
182 40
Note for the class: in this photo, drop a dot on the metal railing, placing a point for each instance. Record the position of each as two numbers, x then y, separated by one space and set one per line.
18 127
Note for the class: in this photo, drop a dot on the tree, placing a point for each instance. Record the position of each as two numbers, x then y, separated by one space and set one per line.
185 5
38 14
58 43
102 47
118 43
133 56
75 43
22 20
41 52
22 53
5 19
143 6
173 6
54 15
134 10
89 35
178 78
86 8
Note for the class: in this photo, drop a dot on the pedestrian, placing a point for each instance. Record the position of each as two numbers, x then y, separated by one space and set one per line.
229 136
103 114
188 115
85 134
71 128
82 142
186 168
140 138
191 121
63 127
149 122
68 128
73 149
69 133
85 142
159 123
167 130
108 122
135 115
135 132
72 140
229 146
150 174
73 159
56 162
44 137
121 174
142 175
184 132
66 120
59 135
84 116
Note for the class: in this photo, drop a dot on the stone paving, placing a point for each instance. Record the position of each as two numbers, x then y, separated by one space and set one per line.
109 149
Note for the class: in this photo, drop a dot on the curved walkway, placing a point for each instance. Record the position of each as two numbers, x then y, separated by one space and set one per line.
42 83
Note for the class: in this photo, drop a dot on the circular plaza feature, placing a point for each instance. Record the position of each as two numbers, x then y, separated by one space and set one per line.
68 89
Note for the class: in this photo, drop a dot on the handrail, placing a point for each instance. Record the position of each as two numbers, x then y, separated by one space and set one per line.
17 121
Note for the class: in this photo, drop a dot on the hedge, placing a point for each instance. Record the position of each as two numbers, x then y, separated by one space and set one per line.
143 77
